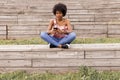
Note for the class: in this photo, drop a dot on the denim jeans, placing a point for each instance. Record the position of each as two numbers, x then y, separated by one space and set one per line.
58 41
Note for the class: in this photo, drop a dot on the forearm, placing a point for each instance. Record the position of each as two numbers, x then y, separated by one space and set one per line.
67 31
49 31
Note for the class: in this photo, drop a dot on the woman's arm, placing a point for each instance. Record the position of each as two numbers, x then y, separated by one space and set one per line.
69 26
49 29
69 30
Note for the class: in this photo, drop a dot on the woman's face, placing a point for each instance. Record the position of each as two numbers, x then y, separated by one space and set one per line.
59 14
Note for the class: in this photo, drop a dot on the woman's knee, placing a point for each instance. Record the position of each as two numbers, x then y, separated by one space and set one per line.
43 34
73 34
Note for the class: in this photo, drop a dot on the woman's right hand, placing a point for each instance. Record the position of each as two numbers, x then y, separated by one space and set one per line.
52 31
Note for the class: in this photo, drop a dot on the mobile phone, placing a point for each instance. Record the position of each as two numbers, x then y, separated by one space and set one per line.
55 28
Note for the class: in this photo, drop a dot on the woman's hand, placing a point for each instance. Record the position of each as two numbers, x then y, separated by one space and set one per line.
52 31
61 31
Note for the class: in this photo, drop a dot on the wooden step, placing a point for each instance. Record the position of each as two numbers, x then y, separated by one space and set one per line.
41 58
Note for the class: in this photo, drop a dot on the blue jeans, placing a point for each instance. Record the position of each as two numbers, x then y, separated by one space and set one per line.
58 41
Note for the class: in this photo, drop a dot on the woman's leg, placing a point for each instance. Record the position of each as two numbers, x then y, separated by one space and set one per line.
49 39
68 39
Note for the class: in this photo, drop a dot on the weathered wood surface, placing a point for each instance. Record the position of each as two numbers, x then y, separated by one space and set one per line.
40 58
100 18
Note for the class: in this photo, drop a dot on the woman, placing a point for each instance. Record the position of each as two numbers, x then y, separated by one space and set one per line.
59 33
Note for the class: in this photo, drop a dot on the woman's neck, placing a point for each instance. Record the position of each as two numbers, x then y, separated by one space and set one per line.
59 19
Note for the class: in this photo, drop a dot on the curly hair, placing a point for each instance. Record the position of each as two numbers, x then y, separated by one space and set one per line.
60 7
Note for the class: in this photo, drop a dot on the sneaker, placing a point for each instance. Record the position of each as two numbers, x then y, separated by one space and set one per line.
65 46
52 46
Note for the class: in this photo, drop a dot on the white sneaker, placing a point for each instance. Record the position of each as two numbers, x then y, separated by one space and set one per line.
65 46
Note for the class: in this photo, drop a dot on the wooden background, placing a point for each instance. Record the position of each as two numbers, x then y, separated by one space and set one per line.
27 18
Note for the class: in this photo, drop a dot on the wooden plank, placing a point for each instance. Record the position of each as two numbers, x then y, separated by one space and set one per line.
42 2
86 26
113 29
2 36
2 27
101 54
25 32
41 54
82 17
2 32
101 26
97 47
115 26
20 55
107 68
79 35
100 11
75 62
40 70
113 36
114 5
8 22
99 5
114 32
77 16
32 23
22 36
23 48
38 13
9 11
102 19
78 11
15 63
90 31
89 23
74 48
70 54
33 18
115 10
27 27
8 18
107 15
45 17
